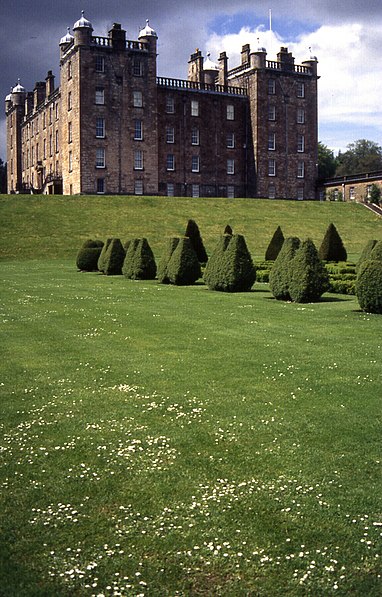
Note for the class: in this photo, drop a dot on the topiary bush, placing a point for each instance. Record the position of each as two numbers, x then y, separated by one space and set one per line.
228 230
376 253
114 258
162 266
183 268
365 253
101 259
332 248
279 277
88 255
230 268
308 276
369 286
139 263
275 245
193 233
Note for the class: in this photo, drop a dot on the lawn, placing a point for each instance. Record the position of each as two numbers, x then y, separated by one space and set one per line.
158 440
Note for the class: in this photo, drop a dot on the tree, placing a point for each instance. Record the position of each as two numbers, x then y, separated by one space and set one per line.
326 162
3 177
279 277
375 194
369 286
361 156
332 247
275 245
139 263
308 276
230 268
183 268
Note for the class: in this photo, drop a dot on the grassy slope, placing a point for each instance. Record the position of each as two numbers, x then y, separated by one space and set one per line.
32 227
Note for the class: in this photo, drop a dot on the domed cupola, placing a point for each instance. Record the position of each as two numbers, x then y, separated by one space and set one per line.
82 23
210 70
147 31
66 39
209 65
18 88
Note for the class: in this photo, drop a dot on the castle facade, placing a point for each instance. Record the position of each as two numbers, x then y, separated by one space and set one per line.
113 126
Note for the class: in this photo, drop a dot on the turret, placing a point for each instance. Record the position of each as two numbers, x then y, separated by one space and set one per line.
82 30
149 35
258 59
18 94
211 71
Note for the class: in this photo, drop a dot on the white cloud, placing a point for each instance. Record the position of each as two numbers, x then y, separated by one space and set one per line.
350 88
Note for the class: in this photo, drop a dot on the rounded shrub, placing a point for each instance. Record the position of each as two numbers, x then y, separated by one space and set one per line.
332 247
88 255
114 258
369 286
376 253
162 266
275 245
101 259
365 253
193 233
308 276
139 263
183 268
279 278
230 268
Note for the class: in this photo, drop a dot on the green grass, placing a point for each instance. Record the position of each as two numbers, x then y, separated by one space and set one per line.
55 227
200 443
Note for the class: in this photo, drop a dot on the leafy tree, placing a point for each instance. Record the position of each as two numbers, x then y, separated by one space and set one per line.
308 276
275 245
332 247
326 162
361 156
375 194
193 233
3 177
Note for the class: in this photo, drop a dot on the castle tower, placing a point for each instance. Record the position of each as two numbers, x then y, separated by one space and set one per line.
14 109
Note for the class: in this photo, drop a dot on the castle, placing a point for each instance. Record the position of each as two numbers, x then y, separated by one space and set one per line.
114 126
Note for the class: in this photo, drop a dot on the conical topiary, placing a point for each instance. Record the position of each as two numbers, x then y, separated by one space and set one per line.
279 278
228 230
193 233
275 245
368 286
139 263
332 248
308 276
162 266
101 259
114 258
230 268
184 267
376 253
365 253
88 255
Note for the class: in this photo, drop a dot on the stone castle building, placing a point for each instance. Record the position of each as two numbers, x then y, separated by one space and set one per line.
114 126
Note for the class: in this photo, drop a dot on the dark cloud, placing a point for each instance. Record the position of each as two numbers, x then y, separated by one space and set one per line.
30 31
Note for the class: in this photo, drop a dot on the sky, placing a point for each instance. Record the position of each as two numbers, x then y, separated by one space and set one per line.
344 35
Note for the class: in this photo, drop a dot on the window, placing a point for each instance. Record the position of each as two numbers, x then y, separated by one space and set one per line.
50 145
368 191
70 137
69 100
194 108
230 112
352 193
100 185
100 96
231 192
170 134
300 194
69 70
195 163
230 140
271 191
138 130
100 128
300 143
32 156
50 116
195 190
70 161
100 64
170 162
271 141
271 167
43 121
138 160
271 87
272 112
57 146
44 149
195 136
170 105
300 169
137 99
230 166
100 157
137 67
56 108
138 187
300 115
170 189
300 89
